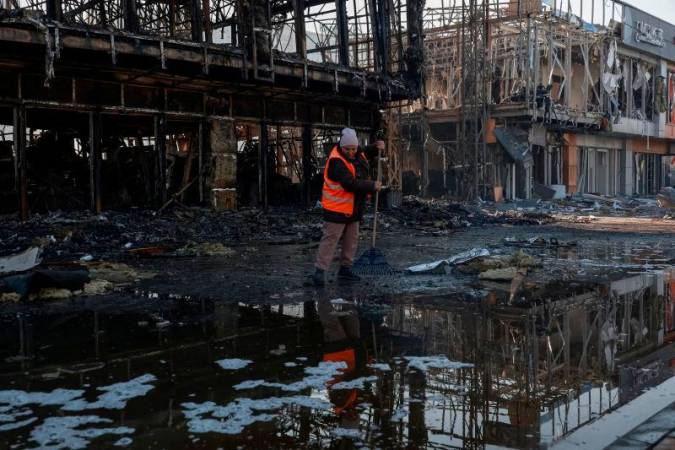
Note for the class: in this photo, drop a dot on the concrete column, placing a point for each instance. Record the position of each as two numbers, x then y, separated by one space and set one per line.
659 117
221 154
570 163
627 170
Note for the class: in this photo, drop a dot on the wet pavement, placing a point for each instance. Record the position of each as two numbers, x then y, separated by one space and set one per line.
436 373
240 352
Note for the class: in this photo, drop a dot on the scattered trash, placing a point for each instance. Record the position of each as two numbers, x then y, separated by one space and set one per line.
9 297
53 294
666 198
459 258
504 274
37 281
20 262
205 249
97 287
117 273
538 241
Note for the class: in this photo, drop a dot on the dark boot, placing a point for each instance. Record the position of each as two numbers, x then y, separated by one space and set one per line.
345 274
319 278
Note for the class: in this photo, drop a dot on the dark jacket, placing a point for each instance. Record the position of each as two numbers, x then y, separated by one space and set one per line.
360 185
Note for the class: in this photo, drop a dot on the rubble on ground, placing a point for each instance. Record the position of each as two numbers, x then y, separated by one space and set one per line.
666 198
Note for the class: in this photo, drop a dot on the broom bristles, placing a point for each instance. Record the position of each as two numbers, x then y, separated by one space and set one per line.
373 262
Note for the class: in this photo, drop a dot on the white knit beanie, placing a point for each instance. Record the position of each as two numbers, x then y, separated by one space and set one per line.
348 138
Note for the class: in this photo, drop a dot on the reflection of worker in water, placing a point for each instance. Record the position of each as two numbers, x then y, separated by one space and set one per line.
346 185
342 343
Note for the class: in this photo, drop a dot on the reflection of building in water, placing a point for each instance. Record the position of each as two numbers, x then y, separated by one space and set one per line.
540 371
569 353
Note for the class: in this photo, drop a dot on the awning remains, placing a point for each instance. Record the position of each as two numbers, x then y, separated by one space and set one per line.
515 142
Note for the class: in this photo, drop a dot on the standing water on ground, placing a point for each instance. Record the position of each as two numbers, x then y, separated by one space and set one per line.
340 373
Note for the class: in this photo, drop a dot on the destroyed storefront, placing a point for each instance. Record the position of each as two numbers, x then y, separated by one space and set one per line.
593 97
108 106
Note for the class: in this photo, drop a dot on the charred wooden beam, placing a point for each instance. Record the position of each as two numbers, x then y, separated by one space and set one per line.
160 147
95 161
342 31
374 29
200 159
54 10
130 16
263 165
383 22
21 176
307 167
196 20
206 14
300 31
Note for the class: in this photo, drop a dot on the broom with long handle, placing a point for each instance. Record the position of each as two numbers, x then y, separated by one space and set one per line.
373 261
377 198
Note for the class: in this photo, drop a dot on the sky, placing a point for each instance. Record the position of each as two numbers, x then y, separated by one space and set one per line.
663 9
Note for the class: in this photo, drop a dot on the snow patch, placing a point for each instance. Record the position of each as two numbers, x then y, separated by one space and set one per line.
233 363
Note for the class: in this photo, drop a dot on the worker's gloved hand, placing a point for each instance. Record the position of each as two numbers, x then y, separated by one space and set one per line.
378 185
379 144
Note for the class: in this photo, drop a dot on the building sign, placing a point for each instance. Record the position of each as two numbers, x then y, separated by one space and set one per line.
647 33
644 32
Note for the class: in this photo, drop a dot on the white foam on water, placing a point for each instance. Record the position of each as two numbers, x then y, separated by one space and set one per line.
57 397
249 384
316 378
123 442
62 432
15 425
65 433
384 367
234 417
116 395
350 433
399 414
233 363
424 363
357 383
13 405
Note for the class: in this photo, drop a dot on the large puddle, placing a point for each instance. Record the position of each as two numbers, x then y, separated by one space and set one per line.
340 373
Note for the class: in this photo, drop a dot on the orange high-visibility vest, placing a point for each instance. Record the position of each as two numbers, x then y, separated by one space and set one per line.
334 197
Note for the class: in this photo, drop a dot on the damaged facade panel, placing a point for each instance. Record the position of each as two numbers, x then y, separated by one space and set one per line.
156 91
593 92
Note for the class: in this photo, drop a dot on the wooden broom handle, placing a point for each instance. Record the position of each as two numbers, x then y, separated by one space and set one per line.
377 196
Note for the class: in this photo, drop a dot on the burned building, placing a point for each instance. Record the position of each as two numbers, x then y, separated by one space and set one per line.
539 98
119 104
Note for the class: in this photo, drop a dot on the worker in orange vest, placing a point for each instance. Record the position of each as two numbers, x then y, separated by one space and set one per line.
346 185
